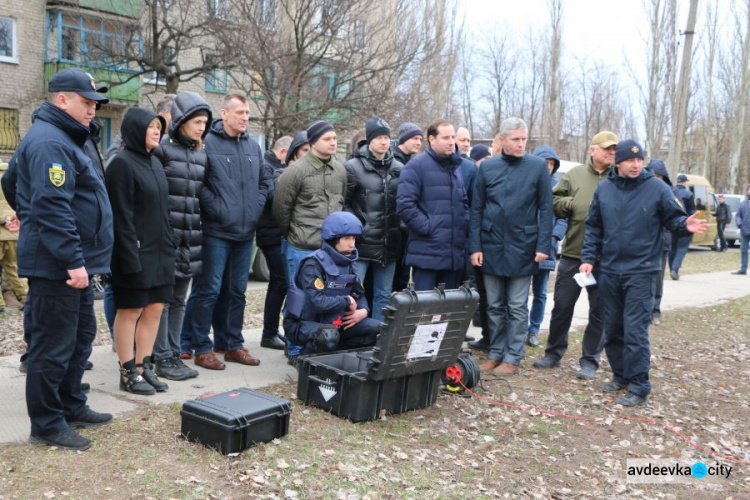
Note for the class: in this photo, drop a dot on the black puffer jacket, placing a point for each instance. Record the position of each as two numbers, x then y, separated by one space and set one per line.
267 232
144 250
371 195
185 166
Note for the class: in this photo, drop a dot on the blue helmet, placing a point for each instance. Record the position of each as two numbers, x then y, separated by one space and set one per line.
340 224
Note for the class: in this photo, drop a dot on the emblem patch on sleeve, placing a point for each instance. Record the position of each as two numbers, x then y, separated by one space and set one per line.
319 284
57 175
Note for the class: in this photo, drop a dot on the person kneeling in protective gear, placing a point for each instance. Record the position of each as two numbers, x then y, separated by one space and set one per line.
326 308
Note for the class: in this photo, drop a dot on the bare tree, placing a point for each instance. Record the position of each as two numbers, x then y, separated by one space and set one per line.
741 49
552 112
174 42
499 66
658 90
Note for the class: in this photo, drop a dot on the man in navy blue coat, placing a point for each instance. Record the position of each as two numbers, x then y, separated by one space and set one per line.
432 202
510 234
66 236
624 230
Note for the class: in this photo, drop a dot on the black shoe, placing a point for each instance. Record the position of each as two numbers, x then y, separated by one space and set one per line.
292 361
67 440
150 377
174 369
739 271
132 381
85 387
612 386
587 372
272 343
547 363
89 418
631 399
532 339
675 275
480 345
23 367
89 365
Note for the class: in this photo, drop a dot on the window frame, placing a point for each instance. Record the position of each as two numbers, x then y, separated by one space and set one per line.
13 41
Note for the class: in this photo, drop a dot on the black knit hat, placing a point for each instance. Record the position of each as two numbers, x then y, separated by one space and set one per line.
628 149
479 151
375 127
407 130
316 130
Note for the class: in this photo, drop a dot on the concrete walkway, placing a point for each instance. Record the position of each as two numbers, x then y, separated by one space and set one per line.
698 290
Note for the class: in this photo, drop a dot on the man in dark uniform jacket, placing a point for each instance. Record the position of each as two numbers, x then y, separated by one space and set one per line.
624 234
66 236
326 309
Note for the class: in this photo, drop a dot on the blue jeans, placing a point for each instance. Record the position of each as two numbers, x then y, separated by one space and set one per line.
293 256
744 243
539 287
427 279
508 316
109 309
220 256
382 280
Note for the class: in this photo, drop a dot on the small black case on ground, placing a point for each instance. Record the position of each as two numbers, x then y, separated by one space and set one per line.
235 420
422 335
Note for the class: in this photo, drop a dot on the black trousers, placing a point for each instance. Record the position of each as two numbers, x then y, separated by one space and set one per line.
60 323
276 293
627 301
567 292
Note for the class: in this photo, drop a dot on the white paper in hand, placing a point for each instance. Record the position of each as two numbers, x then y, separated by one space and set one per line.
583 280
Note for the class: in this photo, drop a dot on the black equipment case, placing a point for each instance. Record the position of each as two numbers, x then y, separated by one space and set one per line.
235 420
422 335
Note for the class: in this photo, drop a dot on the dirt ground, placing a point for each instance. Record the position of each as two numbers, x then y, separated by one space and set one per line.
458 447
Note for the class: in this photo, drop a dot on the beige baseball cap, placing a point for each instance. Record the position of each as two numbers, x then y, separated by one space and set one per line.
604 139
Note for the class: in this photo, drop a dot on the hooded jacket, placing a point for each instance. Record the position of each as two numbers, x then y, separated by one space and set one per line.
398 154
268 233
372 186
144 253
624 224
559 226
432 202
185 165
60 199
511 214
659 168
235 186
300 139
571 198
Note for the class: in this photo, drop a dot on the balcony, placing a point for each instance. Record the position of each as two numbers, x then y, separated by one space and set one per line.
125 8
127 90
95 42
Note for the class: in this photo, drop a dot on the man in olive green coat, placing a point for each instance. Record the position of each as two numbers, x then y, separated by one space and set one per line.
571 198
308 191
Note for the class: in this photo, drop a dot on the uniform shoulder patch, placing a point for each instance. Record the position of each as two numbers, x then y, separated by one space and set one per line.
57 175
319 284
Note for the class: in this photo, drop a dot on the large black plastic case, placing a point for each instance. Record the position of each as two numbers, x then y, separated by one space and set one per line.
235 420
422 334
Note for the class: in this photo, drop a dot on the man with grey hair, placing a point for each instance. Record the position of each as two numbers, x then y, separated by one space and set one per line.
509 235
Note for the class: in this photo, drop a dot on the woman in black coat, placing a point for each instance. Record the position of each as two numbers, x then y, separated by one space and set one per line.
143 257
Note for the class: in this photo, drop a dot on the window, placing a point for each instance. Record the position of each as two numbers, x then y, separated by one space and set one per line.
9 135
218 9
8 42
330 18
216 81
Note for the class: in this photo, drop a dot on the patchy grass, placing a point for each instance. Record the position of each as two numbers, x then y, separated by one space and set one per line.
458 447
